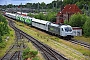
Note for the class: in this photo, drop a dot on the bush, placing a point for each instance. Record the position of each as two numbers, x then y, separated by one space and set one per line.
2 45
29 54
35 58
77 20
66 22
31 15
86 28
48 17
25 53
33 53
0 39
3 26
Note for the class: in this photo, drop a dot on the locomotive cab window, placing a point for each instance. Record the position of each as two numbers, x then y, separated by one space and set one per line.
68 29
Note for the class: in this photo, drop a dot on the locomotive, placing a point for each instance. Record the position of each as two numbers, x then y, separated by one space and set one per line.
64 31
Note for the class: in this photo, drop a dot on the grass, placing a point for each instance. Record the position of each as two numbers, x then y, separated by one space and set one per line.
32 48
81 38
8 43
70 50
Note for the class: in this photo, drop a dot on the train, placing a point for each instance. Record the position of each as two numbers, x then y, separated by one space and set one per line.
61 30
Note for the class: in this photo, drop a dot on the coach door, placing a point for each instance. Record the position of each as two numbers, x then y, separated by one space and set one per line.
61 32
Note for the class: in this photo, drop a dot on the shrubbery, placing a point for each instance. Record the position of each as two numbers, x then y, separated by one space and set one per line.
3 26
80 20
77 20
2 45
48 17
30 54
0 39
3 30
86 28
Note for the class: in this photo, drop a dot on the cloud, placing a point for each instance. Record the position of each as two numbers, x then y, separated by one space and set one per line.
20 0
3 2
16 2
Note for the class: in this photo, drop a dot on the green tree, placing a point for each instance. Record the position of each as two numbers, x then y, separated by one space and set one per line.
49 6
48 17
10 5
25 53
80 4
86 28
35 5
59 4
65 2
29 5
31 15
0 39
3 26
3 30
41 16
77 20
66 22
29 54
43 5
33 53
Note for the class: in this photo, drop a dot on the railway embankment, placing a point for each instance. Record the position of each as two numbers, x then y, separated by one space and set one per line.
69 49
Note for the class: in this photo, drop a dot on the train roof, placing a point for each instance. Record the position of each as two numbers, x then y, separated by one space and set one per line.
60 25
56 25
10 14
39 21
65 26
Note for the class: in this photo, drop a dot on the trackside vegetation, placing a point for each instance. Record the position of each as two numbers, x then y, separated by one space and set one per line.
7 41
3 26
86 28
28 54
3 30
50 16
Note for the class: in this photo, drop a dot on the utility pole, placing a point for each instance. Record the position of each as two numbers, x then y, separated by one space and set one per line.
53 5
38 6
5 5
16 9
56 4
21 8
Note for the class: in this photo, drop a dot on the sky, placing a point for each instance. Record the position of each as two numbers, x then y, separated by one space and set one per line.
18 2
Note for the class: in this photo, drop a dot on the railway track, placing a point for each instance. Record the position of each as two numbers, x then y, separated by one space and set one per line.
7 55
80 43
14 52
12 55
47 52
16 56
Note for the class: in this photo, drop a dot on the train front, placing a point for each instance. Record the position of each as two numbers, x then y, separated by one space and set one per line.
67 31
